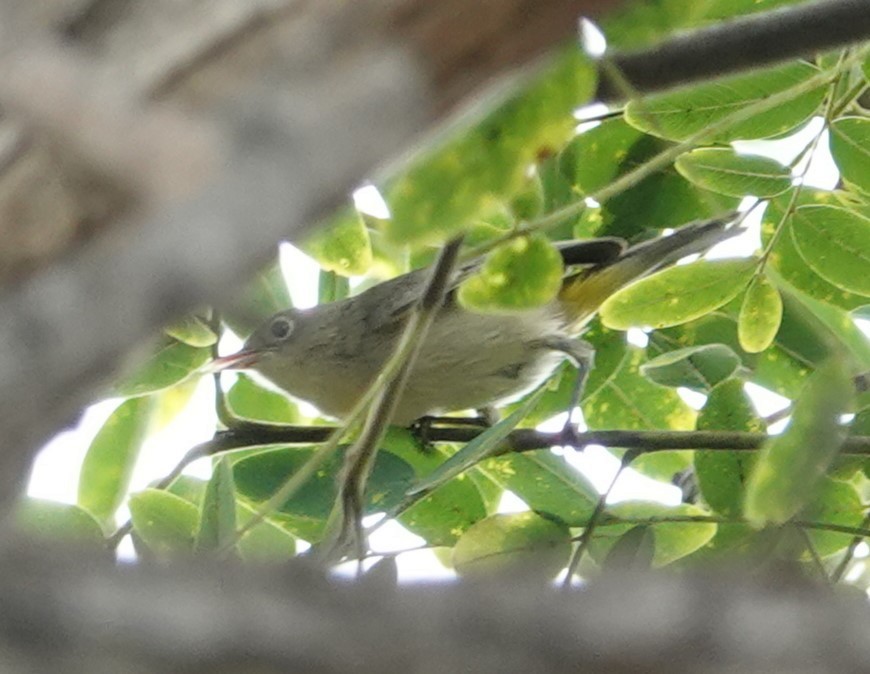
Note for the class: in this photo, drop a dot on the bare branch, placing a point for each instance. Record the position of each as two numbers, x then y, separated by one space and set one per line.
742 44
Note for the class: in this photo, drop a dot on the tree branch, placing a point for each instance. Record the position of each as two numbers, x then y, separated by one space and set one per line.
742 44
527 440
85 615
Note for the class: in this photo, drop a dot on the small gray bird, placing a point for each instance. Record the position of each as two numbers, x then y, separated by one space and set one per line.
330 354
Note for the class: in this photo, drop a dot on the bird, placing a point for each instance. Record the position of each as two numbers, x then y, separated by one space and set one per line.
330 354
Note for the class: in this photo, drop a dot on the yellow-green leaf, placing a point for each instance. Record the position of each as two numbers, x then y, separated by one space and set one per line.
677 295
850 146
342 246
166 523
192 330
790 465
516 541
521 274
725 171
760 316
679 114
171 364
57 521
108 465
835 243
451 185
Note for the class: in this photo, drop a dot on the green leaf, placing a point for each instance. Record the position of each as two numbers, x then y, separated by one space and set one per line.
787 261
836 503
192 330
835 243
722 475
634 551
629 401
258 476
217 523
850 146
57 521
677 295
760 315
547 483
443 515
166 523
266 541
475 451
171 364
331 287
520 274
513 542
342 246
249 400
108 465
528 202
673 540
267 294
790 465
696 367
449 186
725 171
680 114
598 156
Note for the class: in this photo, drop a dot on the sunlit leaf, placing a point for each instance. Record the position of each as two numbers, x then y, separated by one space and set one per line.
108 465
850 146
170 364
725 171
449 186
790 465
249 400
516 541
835 242
192 330
342 245
521 274
787 261
679 114
760 315
677 295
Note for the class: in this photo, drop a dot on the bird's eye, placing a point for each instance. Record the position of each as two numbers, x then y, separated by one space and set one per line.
281 328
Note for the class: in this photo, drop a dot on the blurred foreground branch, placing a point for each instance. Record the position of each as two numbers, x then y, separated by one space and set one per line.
86 616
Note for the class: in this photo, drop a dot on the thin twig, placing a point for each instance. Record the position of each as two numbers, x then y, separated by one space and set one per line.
361 455
594 519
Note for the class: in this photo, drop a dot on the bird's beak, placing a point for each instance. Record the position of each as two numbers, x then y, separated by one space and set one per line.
236 361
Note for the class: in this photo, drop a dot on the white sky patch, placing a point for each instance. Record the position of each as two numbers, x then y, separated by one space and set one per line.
369 200
301 273
592 40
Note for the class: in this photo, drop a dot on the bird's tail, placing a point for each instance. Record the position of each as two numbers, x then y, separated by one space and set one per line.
584 292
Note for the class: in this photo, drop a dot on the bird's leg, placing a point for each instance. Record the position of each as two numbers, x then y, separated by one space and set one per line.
582 355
